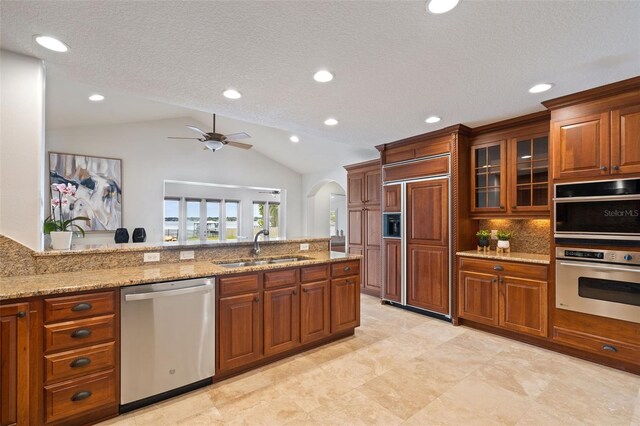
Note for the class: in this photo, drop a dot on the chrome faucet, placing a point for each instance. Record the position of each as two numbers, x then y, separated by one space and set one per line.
256 245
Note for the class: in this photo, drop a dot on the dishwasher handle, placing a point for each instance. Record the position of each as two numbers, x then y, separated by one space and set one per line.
168 293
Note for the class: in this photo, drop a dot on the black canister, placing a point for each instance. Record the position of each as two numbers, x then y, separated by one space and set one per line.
139 235
121 236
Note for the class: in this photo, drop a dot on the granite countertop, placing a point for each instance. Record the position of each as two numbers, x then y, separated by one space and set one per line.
543 259
64 282
133 247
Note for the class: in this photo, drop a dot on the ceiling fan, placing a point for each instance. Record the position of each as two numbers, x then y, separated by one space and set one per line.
214 141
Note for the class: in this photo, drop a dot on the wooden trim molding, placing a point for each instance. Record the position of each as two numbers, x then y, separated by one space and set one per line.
590 95
370 163
509 124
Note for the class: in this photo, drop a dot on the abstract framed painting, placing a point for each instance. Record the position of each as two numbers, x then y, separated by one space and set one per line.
98 183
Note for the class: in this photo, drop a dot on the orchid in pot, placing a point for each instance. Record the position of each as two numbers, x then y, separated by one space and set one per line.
61 229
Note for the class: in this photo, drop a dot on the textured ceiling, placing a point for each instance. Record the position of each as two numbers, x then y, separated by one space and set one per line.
394 64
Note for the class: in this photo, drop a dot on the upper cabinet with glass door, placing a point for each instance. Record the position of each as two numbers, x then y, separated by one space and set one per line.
510 168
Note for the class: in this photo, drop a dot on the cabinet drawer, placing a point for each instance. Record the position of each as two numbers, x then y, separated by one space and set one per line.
500 267
343 269
73 334
64 365
78 396
238 284
314 273
83 305
596 344
280 278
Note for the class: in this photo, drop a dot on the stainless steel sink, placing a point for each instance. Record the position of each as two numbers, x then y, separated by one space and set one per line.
261 262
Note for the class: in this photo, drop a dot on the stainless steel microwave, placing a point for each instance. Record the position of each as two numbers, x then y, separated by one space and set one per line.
597 210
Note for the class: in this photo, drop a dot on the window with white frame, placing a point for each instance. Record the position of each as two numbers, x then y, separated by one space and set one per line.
266 215
200 219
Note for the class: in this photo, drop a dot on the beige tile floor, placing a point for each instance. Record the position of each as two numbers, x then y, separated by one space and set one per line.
405 368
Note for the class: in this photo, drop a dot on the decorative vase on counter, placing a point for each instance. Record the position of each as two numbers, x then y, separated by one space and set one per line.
139 235
483 242
61 240
121 236
503 244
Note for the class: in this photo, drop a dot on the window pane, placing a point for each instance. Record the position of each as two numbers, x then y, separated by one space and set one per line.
213 220
171 219
193 219
274 220
232 208
258 217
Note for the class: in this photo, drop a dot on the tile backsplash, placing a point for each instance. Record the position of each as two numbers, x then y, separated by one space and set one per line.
529 235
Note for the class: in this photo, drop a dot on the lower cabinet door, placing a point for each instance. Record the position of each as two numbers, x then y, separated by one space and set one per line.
392 270
345 303
240 334
14 364
523 305
315 322
428 277
281 320
478 297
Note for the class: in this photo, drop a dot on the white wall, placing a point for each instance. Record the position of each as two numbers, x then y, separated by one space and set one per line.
310 184
149 158
21 148
318 207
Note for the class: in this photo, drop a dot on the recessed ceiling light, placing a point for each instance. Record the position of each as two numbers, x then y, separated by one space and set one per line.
542 87
323 76
441 6
232 94
330 121
51 43
96 98
432 119
294 139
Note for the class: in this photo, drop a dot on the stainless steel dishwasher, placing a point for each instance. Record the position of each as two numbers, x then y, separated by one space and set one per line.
167 336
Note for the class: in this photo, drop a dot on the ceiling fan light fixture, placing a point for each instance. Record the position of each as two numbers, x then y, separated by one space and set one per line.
213 145
294 139
540 87
433 119
96 97
51 43
323 76
330 121
231 94
441 6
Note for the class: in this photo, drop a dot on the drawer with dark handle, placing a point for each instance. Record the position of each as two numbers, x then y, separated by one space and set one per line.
280 278
596 344
343 269
65 365
73 334
81 395
70 307
245 283
505 268
314 273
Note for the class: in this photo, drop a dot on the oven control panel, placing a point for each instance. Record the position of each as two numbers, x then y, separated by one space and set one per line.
595 255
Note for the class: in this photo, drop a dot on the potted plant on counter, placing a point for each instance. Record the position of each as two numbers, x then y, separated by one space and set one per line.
483 239
503 240
61 229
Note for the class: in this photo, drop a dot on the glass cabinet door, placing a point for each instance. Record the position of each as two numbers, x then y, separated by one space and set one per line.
530 189
488 177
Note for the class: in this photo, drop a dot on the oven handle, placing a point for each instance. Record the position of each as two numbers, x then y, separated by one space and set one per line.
606 268
597 198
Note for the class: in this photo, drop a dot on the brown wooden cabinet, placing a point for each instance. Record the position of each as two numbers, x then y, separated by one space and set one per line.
596 133
240 330
509 295
14 364
393 270
510 168
263 315
364 235
281 320
392 196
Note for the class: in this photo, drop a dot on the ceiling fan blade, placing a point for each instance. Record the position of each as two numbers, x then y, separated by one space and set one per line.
174 137
238 144
195 129
241 135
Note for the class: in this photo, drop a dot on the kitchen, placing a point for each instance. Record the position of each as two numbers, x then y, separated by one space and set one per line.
514 338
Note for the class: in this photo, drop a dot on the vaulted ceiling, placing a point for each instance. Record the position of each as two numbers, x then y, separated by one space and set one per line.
394 64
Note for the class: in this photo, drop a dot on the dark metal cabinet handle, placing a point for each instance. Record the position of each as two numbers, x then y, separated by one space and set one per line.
21 314
609 348
80 362
494 280
498 268
81 333
305 290
82 307
295 292
604 168
256 299
79 396
500 280
346 268
616 168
